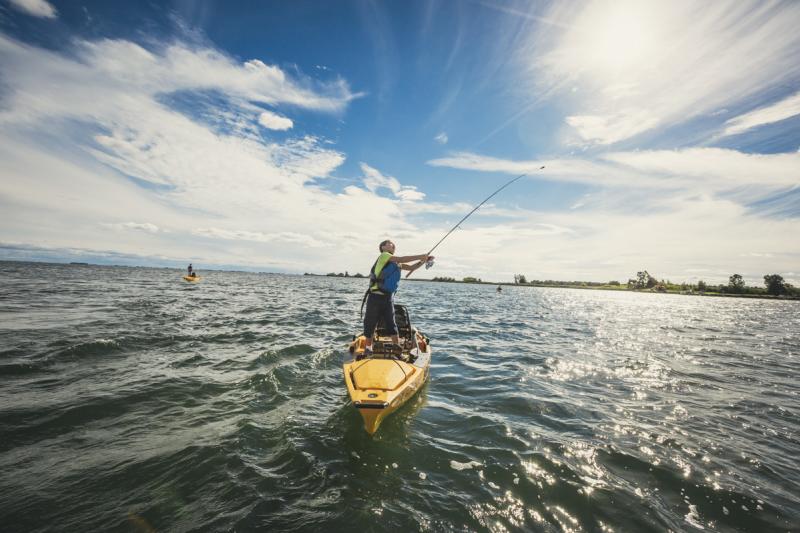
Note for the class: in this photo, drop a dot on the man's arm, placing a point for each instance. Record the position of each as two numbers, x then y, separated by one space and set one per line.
413 267
407 258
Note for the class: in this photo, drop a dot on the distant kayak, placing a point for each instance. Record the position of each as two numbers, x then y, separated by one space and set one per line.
380 384
193 279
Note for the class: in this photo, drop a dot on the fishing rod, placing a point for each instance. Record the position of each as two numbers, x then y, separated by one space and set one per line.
468 214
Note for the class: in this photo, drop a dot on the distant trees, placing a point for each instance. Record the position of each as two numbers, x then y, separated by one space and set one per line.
643 281
519 279
470 279
701 286
444 278
736 284
775 284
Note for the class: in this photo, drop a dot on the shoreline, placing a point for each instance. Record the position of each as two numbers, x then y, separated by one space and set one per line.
598 286
615 289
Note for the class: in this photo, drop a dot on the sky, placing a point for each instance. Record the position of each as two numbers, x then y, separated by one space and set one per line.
295 136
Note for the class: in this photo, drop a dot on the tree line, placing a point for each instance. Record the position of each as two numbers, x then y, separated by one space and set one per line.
468 279
774 285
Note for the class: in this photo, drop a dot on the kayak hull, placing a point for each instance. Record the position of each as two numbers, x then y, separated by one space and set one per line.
192 279
379 385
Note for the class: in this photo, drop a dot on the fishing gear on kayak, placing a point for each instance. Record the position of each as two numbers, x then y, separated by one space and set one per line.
429 264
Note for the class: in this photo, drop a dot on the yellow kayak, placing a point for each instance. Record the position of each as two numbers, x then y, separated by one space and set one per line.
193 279
380 384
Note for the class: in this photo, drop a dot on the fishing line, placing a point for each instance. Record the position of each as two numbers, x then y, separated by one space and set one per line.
430 263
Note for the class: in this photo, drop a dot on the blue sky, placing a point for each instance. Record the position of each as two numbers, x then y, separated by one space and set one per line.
295 136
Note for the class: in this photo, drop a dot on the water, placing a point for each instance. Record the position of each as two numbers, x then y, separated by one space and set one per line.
133 401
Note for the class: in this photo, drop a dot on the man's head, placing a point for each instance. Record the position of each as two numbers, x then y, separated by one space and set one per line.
386 246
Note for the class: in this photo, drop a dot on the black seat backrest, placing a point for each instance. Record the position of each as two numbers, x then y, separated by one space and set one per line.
401 319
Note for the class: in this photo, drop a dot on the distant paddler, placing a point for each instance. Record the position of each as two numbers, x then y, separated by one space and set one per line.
191 274
384 277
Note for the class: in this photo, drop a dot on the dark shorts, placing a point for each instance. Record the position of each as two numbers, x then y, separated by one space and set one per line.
379 305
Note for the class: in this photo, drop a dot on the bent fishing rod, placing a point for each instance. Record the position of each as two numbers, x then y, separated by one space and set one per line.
468 214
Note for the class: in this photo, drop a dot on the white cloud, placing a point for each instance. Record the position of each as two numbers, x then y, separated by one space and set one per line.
137 226
695 233
409 193
258 236
107 111
613 128
471 161
273 121
640 65
786 108
717 169
672 212
711 170
565 170
374 180
108 74
441 138
36 8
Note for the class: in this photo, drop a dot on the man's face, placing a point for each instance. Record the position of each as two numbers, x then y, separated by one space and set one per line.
389 247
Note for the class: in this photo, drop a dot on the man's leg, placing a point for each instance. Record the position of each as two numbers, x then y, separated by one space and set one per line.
389 320
371 319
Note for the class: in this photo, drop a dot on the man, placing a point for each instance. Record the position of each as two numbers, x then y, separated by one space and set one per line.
384 278
189 273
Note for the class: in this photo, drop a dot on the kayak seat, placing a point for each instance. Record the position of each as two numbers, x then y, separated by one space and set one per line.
387 349
402 320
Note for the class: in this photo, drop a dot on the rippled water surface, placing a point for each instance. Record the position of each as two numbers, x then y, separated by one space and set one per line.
133 401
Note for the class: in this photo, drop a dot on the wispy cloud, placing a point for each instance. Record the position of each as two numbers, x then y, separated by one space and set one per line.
716 169
136 226
441 138
710 170
374 180
36 8
629 67
786 108
257 236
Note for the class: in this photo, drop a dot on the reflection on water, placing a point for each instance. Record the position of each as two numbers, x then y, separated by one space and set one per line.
132 400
